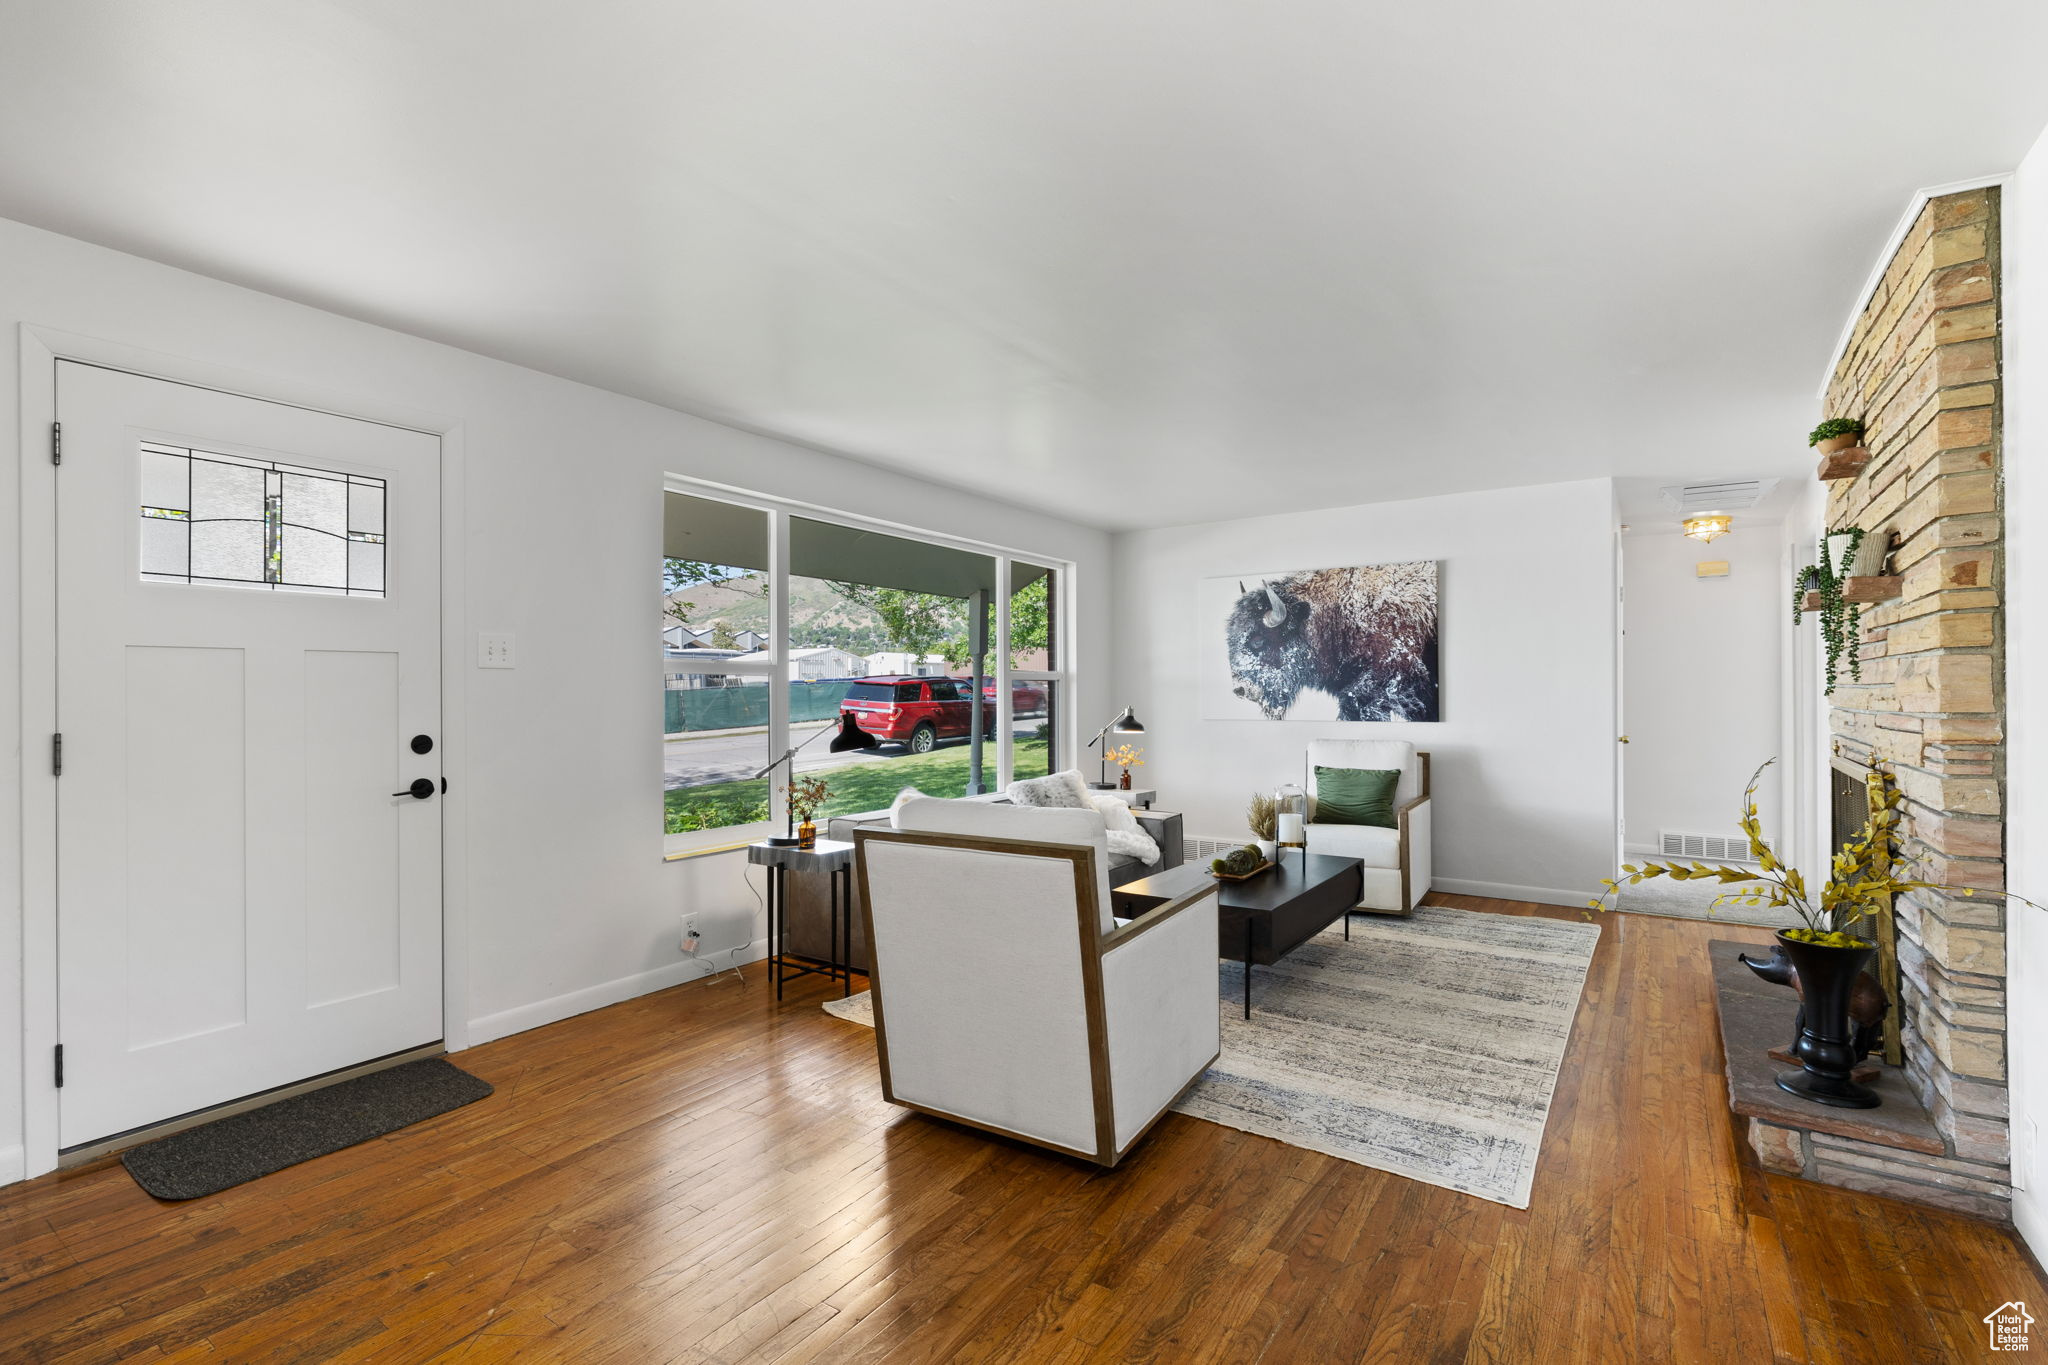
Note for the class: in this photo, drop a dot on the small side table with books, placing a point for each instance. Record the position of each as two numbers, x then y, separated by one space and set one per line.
834 858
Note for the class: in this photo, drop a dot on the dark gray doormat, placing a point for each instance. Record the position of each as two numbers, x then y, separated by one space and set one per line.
226 1152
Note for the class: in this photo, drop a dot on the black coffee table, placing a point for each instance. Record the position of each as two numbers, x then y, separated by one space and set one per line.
1265 918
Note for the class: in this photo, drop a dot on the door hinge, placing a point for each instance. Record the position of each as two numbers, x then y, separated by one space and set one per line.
57 755
56 443
60 1066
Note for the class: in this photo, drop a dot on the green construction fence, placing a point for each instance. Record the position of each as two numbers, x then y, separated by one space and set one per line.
688 710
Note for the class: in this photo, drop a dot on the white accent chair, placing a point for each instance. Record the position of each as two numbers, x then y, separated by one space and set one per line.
1397 865
1008 997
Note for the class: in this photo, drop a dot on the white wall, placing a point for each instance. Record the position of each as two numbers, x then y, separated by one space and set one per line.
568 902
1524 754
1702 678
2025 252
1809 740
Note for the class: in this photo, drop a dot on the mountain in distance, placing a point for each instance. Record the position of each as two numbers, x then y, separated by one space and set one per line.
817 614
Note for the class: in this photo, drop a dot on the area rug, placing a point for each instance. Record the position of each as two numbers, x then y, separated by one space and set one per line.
1428 1047
856 1009
215 1156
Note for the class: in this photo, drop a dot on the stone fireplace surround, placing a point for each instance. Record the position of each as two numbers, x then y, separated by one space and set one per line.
1922 369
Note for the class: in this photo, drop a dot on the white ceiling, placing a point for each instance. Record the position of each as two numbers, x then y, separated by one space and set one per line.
1139 263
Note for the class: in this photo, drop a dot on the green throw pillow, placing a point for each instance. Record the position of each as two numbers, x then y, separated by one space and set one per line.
1356 796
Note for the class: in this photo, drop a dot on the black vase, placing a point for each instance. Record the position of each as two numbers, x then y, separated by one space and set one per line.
1825 1049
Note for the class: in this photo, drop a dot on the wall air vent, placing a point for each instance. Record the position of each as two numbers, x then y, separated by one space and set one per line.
1730 495
1704 847
1202 850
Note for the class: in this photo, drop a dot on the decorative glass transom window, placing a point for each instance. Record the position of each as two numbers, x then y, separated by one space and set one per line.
224 521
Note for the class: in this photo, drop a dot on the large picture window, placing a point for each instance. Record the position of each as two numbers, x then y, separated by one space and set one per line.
777 624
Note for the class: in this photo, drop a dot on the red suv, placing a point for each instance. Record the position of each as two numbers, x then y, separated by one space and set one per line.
1026 698
915 712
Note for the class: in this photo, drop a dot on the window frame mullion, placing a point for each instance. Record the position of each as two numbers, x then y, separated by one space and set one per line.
778 655
1004 736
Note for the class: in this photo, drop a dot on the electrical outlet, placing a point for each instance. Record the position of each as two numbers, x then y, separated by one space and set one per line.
691 938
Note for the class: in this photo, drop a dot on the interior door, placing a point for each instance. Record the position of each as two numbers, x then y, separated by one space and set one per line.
248 643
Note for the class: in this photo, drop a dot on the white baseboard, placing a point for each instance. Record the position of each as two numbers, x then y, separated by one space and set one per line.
2027 1216
1541 895
13 1164
556 1008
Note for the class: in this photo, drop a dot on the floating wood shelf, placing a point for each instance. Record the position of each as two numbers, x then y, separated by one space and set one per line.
1874 588
1843 464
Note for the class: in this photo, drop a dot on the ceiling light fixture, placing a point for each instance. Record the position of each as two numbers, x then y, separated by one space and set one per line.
1707 527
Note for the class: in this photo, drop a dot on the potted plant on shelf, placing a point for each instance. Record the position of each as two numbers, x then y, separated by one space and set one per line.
1856 553
1841 552
1126 757
1827 949
806 796
1837 433
1263 817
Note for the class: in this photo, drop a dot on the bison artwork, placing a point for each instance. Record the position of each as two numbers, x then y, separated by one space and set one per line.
1365 636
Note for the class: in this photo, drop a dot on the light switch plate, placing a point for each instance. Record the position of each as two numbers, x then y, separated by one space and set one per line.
494 649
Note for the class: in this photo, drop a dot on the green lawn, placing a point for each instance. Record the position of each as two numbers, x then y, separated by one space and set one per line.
857 786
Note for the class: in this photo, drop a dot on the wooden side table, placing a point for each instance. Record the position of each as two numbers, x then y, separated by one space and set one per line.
834 858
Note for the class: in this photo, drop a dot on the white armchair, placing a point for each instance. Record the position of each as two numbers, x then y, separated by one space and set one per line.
1007 996
1397 864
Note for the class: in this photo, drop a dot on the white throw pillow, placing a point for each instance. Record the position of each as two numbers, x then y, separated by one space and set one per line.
1067 790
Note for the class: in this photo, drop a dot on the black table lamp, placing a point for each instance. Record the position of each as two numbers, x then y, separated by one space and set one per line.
850 737
1125 724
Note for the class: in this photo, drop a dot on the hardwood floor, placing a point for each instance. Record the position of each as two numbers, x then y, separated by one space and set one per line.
701 1175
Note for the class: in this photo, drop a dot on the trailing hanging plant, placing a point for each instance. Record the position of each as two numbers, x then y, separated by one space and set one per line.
1861 880
1833 427
1838 615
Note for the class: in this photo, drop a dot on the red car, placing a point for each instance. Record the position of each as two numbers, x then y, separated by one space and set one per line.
1026 699
915 712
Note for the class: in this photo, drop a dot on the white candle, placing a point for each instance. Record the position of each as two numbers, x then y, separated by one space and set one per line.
1290 829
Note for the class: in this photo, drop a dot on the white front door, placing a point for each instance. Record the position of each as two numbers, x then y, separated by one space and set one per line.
248 643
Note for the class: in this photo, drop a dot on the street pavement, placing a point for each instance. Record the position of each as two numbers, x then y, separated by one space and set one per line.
729 757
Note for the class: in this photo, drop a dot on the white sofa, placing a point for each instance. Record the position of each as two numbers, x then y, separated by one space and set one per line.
1397 865
1006 994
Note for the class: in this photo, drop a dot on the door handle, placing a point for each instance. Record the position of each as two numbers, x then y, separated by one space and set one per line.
420 790
1622 738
